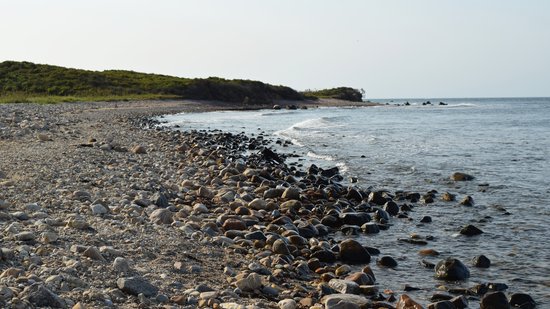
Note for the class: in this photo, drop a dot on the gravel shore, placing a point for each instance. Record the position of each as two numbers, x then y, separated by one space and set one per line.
98 208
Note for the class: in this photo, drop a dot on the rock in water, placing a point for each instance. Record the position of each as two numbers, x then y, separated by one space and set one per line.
451 269
405 302
494 300
522 300
481 261
40 296
458 176
470 230
136 286
352 252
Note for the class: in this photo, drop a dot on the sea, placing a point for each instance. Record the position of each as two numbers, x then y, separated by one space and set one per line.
406 144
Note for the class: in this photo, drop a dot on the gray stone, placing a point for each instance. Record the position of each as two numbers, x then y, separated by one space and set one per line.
136 286
40 296
162 216
344 301
120 264
344 286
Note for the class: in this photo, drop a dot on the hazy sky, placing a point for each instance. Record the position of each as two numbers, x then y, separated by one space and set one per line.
420 48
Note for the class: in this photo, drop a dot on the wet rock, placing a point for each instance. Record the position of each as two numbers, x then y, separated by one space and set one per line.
522 300
387 261
40 296
460 302
467 201
136 286
451 269
344 301
361 278
426 219
405 302
459 176
344 286
481 261
470 230
391 208
354 218
428 252
352 252
448 197
377 197
444 304
494 300
324 256
370 228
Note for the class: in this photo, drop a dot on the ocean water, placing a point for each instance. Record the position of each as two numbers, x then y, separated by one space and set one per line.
504 143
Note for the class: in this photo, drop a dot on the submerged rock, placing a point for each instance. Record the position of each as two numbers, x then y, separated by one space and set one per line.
451 269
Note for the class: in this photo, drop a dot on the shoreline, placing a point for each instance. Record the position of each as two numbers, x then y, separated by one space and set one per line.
108 210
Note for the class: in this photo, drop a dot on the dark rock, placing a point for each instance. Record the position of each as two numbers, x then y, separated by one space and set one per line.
40 296
350 230
377 197
481 261
330 172
387 261
355 218
370 228
391 208
280 247
458 176
353 252
445 304
451 269
470 230
426 219
460 302
467 201
361 278
494 300
522 300
324 256
136 286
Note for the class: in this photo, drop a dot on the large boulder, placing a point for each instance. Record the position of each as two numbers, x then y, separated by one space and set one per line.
522 300
352 252
344 301
40 296
451 269
494 300
458 176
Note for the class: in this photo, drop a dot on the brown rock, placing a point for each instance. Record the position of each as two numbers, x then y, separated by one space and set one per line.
405 302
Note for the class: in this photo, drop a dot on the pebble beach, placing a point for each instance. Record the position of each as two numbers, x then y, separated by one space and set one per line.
101 208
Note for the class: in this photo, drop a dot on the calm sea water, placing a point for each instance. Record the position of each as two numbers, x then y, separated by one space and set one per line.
504 143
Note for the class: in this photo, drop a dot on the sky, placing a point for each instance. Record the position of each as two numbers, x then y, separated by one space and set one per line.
390 48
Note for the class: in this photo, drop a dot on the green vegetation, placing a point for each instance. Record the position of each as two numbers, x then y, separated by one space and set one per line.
26 82
341 93
29 82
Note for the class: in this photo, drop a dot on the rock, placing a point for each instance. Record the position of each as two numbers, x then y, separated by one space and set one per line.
162 216
43 137
448 197
352 252
387 261
458 176
494 300
324 256
250 283
444 304
287 304
426 219
291 194
25 236
467 201
205 192
391 208
470 230
98 209
481 261
522 300
344 301
234 224
377 197
40 296
293 205
405 302
258 204
344 286
121 265
280 247
93 253
139 149
136 286
361 278
48 237
451 269
429 252
273 193
79 305
370 228
460 302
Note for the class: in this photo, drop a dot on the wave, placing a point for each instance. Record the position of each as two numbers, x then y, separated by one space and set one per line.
312 154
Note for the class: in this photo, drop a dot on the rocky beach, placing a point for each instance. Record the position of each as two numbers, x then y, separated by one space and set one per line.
101 208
